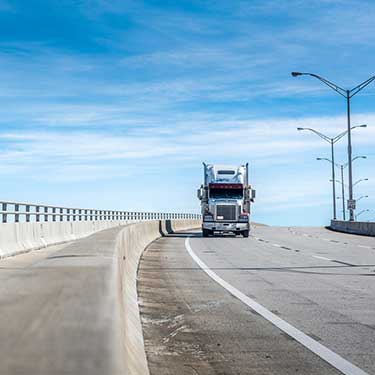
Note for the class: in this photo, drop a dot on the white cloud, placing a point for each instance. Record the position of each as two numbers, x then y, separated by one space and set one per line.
266 142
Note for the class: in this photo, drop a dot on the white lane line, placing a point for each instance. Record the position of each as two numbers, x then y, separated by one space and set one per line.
323 352
319 257
276 245
364 246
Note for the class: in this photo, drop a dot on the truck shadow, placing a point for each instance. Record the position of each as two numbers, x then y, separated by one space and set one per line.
167 231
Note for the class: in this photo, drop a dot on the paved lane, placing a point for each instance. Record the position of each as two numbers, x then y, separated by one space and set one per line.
185 313
321 282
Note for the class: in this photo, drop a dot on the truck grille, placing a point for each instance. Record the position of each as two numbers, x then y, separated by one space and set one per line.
227 212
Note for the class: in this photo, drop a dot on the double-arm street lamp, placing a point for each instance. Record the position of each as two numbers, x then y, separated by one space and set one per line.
357 182
347 94
342 167
332 141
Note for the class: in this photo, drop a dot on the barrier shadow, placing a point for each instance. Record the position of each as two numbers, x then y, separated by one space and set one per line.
184 234
166 230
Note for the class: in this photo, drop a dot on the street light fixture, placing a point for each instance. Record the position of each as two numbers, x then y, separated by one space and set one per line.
347 94
356 216
362 179
342 166
332 141
361 197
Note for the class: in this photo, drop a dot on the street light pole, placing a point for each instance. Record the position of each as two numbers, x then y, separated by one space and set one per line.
348 94
350 167
342 166
342 192
333 183
332 141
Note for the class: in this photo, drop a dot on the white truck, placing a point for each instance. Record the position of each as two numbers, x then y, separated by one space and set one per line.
225 199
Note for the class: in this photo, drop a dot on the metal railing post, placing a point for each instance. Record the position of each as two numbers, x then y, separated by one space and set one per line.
17 215
4 208
37 217
27 213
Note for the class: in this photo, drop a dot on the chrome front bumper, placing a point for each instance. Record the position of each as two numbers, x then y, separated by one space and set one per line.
225 227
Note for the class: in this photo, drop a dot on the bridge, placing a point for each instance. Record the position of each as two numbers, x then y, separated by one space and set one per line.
87 291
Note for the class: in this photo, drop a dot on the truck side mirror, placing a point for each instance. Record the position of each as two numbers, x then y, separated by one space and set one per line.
199 194
253 194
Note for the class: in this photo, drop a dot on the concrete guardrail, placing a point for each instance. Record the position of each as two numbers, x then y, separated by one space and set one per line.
17 238
130 245
29 226
353 227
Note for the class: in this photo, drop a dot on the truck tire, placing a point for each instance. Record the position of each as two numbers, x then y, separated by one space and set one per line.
245 233
205 232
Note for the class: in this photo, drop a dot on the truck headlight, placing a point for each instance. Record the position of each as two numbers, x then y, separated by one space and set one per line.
208 217
244 218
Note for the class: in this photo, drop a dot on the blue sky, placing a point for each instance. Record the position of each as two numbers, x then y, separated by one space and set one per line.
115 104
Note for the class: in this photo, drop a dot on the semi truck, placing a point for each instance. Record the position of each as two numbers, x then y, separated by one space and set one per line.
225 198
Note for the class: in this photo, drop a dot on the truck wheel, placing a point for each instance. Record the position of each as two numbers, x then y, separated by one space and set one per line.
245 233
205 232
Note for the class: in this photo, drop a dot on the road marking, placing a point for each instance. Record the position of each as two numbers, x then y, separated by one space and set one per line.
364 246
323 352
345 263
286 247
324 258
276 245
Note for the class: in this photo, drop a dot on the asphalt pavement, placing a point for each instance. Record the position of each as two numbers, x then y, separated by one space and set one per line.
318 282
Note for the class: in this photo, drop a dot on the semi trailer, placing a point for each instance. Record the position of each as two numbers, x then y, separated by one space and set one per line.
226 198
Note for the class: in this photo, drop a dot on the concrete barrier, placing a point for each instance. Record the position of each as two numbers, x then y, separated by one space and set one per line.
16 238
353 227
131 242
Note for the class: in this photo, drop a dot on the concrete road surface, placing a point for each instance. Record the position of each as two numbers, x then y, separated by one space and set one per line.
320 283
57 309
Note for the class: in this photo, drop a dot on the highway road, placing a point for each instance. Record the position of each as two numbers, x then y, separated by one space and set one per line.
230 305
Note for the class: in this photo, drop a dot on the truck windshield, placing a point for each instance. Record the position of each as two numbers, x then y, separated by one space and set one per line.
226 193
